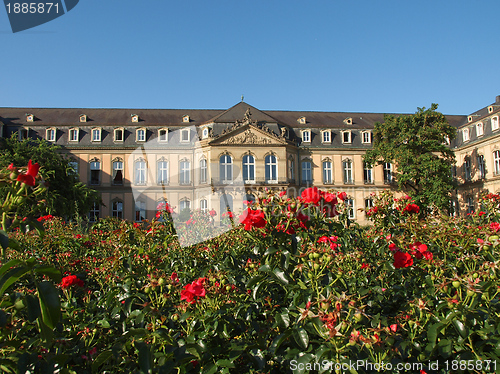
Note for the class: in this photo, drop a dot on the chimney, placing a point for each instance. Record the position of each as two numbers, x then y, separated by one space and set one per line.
497 100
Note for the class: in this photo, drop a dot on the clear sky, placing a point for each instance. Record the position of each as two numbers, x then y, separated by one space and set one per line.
363 56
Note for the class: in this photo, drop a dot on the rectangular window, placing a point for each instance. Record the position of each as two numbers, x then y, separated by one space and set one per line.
204 205
291 169
467 169
306 136
481 167
479 129
367 174
23 133
50 135
465 135
388 173
367 137
117 209
140 211
326 137
496 162
118 135
203 171
140 172
368 203
94 213
163 172
348 172
185 172
74 166
185 135
346 137
95 172
306 172
73 135
96 135
327 172
141 135
470 205
494 123
163 135
350 208
118 172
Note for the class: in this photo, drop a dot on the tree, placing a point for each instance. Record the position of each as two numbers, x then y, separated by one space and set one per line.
416 146
65 196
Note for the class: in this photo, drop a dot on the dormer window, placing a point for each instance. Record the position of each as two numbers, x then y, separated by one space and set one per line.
326 136
469 119
74 135
118 135
306 136
96 134
135 118
163 135
185 135
479 129
346 137
465 135
366 137
83 118
50 134
490 109
302 120
140 135
30 117
348 121
24 133
204 133
185 118
494 123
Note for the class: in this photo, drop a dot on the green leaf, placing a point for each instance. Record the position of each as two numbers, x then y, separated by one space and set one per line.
225 363
12 276
265 268
254 280
283 319
433 331
145 358
280 275
101 359
302 362
462 330
14 245
33 307
4 239
270 251
9 265
301 337
49 271
50 304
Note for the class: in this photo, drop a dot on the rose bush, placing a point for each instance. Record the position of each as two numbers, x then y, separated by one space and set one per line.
296 281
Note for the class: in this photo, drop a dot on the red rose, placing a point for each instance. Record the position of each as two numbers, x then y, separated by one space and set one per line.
342 196
402 260
495 226
311 195
71 280
195 289
29 177
411 208
212 213
253 218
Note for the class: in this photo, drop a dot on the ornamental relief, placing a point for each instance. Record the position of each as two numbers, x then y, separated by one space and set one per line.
247 137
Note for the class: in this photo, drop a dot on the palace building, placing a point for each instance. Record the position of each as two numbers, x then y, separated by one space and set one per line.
217 159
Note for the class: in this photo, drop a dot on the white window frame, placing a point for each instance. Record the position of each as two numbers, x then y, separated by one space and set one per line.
388 177
481 166
188 138
367 172
163 171
203 170
95 165
140 172
183 204
368 203
115 131
272 166
326 136
348 141
161 138
367 134
74 134
479 129
50 134
350 208
327 172
185 172
226 169
95 134
291 168
204 205
248 169
307 175
140 135
95 211
23 133
204 133
496 162
494 123
306 136
347 170
117 166
465 135
117 209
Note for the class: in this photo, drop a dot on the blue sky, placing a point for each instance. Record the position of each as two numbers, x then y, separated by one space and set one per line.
363 56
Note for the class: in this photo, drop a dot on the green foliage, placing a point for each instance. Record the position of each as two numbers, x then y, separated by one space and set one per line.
415 144
65 196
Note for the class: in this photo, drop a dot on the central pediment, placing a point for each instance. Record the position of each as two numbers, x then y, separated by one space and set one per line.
249 134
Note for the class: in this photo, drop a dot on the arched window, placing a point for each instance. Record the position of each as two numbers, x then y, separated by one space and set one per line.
140 171
203 171
327 172
117 209
271 169
226 168
248 168
184 204
95 172
347 165
306 172
118 172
